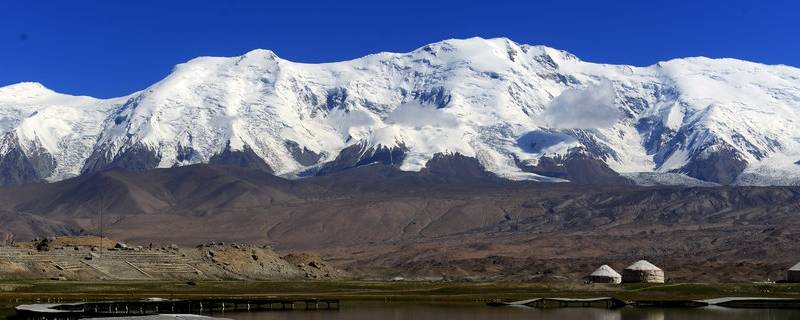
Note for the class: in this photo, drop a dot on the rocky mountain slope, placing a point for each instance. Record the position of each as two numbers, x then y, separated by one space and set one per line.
379 221
524 112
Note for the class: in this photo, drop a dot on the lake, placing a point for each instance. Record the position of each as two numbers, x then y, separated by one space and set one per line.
402 311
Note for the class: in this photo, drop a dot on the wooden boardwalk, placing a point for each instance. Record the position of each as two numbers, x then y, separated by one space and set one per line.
611 303
154 307
601 302
754 302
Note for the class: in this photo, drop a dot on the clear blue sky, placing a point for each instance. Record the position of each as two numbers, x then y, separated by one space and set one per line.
112 48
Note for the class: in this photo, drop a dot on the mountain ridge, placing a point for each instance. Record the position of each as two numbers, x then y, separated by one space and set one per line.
722 121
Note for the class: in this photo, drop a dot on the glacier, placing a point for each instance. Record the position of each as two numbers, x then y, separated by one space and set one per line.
516 108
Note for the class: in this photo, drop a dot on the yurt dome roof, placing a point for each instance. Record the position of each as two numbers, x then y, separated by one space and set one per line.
605 271
642 265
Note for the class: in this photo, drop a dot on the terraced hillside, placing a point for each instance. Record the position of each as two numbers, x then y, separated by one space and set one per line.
86 261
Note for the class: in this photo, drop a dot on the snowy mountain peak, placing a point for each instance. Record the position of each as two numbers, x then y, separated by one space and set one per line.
523 111
264 54
24 86
23 92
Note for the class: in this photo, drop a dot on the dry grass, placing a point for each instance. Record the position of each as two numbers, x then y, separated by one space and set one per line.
16 292
85 241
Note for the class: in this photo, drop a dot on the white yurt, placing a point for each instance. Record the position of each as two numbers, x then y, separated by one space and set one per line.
642 271
793 275
605 274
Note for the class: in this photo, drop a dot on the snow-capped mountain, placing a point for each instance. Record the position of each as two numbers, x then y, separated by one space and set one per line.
525 112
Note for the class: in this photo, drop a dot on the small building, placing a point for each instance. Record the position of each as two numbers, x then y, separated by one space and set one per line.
605 274
793 275
644 272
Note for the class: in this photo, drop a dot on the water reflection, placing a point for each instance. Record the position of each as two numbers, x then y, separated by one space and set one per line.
642 314
470 312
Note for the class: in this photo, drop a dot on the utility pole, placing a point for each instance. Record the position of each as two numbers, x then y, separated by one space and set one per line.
101 223
100 211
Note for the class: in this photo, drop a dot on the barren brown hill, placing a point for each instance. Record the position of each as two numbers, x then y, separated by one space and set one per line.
89 258
377 221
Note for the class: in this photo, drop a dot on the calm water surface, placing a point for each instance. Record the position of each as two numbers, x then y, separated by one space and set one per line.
399 311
